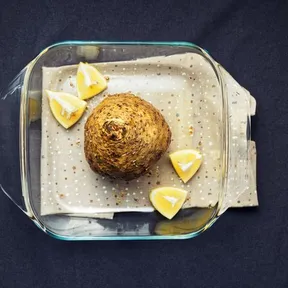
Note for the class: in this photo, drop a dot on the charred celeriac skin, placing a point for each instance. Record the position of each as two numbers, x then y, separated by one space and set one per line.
124 136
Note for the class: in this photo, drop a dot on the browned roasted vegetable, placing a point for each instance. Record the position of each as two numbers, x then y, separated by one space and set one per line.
124 136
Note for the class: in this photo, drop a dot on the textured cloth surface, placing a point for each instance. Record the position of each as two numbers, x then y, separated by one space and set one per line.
64 171
246 247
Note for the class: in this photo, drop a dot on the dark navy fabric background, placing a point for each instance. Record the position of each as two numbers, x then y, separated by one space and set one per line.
246 247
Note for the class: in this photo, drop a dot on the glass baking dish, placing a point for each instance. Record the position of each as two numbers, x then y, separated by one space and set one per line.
22 131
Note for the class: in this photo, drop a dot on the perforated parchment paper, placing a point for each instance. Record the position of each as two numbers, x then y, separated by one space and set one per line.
185 89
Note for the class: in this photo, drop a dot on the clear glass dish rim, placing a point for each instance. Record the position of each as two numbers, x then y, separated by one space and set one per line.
24 154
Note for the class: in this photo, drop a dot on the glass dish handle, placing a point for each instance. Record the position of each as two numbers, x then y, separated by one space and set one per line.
241 151
10 171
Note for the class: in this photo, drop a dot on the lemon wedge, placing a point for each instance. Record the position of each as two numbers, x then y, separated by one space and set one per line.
66 108
186 163
168 200
189 224
89 80
34 110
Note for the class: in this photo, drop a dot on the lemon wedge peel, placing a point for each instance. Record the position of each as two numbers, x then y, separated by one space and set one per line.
168 200
34 110
65 107
89 80
186 163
